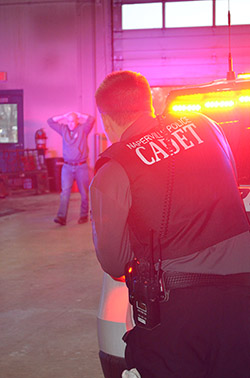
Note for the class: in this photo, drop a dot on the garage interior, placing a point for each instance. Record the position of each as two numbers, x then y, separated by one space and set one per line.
54 54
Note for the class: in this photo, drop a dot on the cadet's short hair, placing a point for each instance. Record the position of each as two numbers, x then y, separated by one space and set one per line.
122 95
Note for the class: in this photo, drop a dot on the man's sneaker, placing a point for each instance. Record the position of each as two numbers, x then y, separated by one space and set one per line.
60 220
83 220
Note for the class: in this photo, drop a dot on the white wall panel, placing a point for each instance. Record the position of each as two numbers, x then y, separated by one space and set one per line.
182 56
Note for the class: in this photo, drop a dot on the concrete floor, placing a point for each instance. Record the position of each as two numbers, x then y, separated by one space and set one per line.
50 283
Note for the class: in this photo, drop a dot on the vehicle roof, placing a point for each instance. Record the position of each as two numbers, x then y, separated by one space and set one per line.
213 86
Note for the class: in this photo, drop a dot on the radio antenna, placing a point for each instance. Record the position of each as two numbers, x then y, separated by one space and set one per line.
230 74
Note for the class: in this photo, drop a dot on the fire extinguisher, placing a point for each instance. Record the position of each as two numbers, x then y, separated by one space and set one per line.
40 139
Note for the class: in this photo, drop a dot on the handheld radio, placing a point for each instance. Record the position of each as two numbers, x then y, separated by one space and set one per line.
144 292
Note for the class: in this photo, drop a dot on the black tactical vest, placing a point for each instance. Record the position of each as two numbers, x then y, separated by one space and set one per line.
191 199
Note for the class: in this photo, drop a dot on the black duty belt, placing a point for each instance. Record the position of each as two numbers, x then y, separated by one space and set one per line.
75 164
177 280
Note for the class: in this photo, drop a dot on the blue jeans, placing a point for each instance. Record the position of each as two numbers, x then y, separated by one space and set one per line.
68 175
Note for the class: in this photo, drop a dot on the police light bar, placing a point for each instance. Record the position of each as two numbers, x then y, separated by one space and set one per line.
187 107
244 99
244 75
224 100
219 104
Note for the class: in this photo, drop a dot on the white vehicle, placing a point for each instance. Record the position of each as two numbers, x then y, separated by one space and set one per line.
113 321
245 195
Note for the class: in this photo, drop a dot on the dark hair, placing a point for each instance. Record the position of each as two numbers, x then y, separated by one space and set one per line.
124 94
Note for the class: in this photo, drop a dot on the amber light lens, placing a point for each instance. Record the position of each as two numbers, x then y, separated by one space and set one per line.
119 279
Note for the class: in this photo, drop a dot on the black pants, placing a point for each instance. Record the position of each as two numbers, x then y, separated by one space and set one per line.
204 333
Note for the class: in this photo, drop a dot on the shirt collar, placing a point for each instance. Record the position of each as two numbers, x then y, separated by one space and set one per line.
144 123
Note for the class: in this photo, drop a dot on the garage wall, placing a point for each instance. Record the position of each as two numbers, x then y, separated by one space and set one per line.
180 56
56 51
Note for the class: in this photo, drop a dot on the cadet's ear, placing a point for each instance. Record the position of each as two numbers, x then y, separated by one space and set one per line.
111 129
107 122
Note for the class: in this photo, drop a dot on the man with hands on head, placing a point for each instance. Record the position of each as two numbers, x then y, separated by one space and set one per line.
74 128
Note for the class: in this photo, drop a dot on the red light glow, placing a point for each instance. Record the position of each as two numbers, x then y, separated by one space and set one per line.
116 305
119 279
